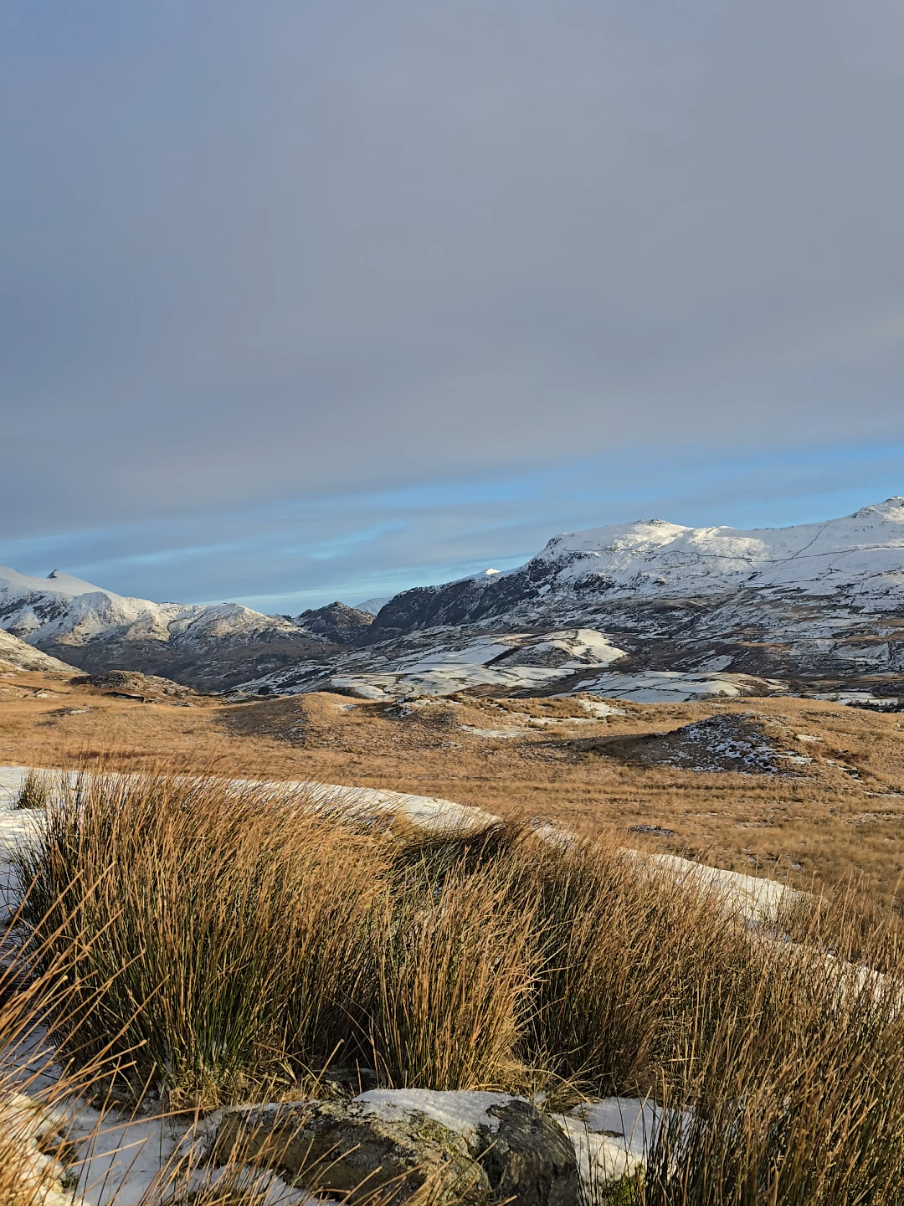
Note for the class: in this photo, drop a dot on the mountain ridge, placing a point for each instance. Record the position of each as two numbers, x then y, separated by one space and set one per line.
208 646
658 559
810 608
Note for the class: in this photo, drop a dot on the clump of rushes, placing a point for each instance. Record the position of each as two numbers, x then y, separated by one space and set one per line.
222 942
455 977
629 959
224 932
796 1097
34 792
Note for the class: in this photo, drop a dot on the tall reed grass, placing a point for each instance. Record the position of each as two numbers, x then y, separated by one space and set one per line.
225 943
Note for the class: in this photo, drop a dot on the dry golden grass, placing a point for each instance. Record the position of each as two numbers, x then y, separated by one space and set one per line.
838 822
213 936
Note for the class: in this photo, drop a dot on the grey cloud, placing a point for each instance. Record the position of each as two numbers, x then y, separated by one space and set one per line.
256 251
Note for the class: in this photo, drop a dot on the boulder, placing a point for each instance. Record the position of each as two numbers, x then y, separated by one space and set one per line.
350 1149
466 1146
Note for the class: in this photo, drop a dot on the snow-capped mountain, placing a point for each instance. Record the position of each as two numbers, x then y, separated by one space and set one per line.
208 647
858 560
650 607
816 608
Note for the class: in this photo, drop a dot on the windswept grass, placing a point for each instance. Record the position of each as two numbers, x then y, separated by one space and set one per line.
225 943
455 979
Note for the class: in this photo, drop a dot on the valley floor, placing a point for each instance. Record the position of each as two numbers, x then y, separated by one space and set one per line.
821 797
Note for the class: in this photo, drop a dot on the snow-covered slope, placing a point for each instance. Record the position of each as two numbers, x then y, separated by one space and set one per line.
16 655
864 551
96 629
820 603
649 607
859 558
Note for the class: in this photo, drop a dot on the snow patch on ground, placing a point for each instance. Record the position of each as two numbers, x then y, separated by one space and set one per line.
673 686
507 664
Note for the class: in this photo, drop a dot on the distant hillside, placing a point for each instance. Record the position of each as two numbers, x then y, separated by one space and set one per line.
857 562
816 608
16 655
647 610
206 647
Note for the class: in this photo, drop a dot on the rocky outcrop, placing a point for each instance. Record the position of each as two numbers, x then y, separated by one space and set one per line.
337 623
131 684
466 1147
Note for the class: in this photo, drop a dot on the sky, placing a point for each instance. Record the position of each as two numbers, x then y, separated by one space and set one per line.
312 300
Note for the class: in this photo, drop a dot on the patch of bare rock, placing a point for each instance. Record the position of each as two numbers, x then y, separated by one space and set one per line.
747 742
467 1147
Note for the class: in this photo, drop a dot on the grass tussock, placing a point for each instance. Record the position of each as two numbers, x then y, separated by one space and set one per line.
225 943
455 980
34 791
38 1083
225 934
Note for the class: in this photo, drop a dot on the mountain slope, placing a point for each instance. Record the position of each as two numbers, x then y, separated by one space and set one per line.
16 655
819 604
207 647
650 607
337 622
858 560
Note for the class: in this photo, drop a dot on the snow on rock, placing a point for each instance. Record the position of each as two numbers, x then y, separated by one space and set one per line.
602 1158
611 1140
462 1111
39 1176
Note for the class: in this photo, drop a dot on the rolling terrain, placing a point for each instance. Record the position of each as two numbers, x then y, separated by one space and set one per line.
779 786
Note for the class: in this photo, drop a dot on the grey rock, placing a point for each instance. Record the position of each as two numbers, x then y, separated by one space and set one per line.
467 1147
529 1158
343 1147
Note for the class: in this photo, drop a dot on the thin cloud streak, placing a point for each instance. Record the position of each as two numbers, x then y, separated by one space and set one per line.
294 553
